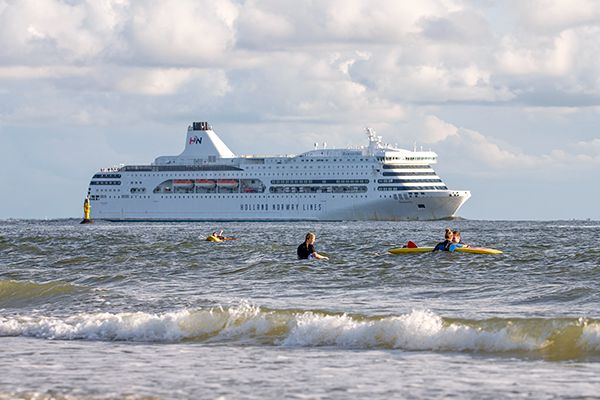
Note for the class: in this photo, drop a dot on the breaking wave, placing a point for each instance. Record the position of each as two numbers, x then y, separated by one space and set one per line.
419 330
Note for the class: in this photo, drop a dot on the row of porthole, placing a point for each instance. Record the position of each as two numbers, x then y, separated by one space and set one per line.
225 197
401 196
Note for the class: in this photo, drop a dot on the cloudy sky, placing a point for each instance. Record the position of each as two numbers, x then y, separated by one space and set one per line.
506 92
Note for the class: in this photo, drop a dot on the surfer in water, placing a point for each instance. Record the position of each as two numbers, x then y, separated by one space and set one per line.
445 245
457 241
218 237
306 251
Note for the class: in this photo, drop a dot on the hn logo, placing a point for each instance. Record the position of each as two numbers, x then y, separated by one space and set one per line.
195 140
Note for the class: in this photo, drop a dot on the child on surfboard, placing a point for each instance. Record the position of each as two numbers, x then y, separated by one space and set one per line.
456 239
452 241
446 245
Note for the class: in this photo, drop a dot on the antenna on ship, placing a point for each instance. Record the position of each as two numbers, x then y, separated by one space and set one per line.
371 134
374 140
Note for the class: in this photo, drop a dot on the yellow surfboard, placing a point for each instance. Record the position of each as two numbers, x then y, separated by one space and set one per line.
472 250
477 250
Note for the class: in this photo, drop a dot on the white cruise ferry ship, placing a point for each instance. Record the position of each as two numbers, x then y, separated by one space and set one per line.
207 181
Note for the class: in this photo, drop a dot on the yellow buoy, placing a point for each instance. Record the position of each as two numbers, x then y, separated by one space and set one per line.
86 211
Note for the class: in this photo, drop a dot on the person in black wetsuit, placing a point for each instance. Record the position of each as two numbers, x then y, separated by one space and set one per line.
306 250
445 245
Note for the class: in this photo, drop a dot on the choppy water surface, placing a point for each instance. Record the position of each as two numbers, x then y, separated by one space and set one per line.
152 310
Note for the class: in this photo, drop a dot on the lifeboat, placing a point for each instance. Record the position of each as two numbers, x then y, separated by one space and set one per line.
183 182
228 183
205 183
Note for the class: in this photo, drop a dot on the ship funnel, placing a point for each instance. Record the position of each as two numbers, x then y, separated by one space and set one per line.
201 142
202 145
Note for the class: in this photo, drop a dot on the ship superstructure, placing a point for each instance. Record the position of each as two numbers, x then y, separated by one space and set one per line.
207 181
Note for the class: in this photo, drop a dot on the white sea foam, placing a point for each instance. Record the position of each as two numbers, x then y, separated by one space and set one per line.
590 337
418 330
139 326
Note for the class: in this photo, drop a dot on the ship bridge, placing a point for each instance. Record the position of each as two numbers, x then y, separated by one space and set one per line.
399 156
391 155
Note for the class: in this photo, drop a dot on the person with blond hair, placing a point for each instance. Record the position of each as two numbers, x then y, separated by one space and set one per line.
306 250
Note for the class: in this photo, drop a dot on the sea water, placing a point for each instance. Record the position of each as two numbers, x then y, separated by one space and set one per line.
152 310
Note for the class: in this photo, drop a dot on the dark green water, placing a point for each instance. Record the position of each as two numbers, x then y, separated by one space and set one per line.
114 310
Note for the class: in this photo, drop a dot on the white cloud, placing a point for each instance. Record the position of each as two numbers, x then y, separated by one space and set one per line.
556 15
550 56
292 24
437 130
49 32
167 81
461 26
589 150
24 72
258 27
550 69
484 152
477 149
161 32
427 82
176 32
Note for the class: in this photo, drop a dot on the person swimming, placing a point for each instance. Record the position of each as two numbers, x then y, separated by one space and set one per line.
447 243
306 250
456 240
218 237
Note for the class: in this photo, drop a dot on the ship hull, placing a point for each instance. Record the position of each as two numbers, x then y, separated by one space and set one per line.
434 206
